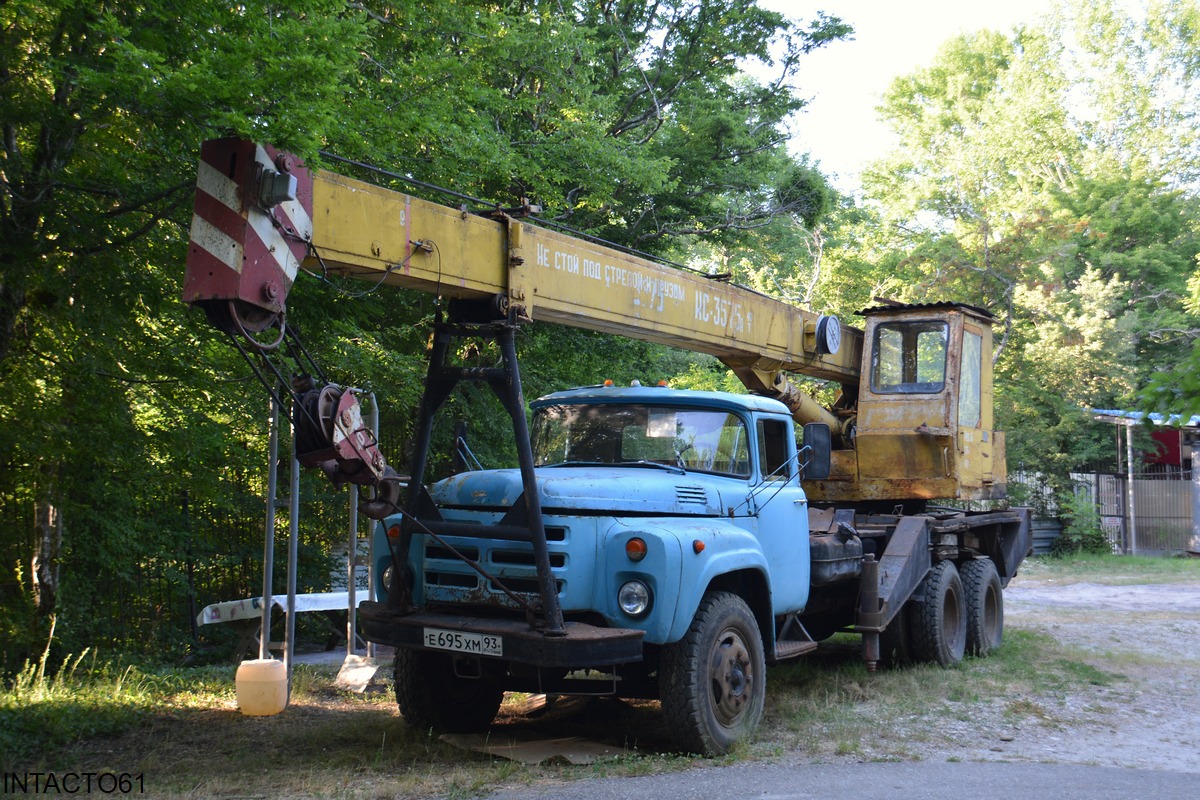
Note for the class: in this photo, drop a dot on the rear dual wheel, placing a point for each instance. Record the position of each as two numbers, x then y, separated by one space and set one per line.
984 598
939 622
962 613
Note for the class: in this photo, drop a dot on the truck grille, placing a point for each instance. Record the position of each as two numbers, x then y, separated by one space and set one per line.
523 585
525 558
450 580
433 551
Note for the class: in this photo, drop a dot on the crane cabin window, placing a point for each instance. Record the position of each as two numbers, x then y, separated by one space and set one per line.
909 358
970 383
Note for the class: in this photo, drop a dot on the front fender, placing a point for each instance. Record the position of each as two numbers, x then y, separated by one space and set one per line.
727 549
676 572
659 570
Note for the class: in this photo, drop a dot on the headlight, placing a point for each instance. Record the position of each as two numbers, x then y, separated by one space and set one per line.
634 598
386 580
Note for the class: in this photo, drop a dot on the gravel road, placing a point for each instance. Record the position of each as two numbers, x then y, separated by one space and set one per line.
1143 712
1149 633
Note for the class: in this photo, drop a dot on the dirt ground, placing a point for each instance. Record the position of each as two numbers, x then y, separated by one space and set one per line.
1149 634
1142 710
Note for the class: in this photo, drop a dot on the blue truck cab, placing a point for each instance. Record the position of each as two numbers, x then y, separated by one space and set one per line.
678 542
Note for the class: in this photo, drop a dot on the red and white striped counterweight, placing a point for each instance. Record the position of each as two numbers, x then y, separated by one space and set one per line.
251 229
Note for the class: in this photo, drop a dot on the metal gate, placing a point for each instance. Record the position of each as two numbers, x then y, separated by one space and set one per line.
1162 512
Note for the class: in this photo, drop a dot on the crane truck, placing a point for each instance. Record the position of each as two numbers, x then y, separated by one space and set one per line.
651 542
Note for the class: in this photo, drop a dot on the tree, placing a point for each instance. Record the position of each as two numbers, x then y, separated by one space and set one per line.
102 108
1028 181
117 399
671 74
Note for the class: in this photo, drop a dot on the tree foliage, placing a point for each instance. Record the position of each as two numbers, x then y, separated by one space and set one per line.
626 119
1048 173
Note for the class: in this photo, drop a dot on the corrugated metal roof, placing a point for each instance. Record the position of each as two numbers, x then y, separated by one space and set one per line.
944 304
1139 417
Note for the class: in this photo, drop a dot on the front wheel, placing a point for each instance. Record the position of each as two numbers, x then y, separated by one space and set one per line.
713 681
431 696
985 606
939 622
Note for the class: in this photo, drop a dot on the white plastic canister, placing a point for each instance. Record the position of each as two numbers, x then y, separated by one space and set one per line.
261 686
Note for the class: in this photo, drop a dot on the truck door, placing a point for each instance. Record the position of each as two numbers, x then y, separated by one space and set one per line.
976 448
782 514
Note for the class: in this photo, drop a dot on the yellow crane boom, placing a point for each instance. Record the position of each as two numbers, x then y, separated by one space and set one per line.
373 233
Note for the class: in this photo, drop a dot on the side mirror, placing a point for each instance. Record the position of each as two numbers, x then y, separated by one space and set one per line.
817 448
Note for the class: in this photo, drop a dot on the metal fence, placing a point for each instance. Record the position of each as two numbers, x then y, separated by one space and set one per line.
207 552
1163 503
1161 521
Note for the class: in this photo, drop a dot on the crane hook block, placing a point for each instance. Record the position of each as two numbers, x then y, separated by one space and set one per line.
331 434
251 228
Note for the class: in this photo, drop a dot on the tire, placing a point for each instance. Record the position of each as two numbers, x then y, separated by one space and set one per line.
985 606
939 622
432 697
713 681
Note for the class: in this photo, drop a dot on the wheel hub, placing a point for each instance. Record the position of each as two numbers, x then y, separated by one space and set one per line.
732 678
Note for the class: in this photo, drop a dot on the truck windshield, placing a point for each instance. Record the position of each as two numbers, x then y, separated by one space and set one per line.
691 439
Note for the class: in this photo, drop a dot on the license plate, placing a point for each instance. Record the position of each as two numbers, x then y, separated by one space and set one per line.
477 644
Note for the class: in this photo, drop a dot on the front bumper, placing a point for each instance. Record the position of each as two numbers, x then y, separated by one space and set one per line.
583 646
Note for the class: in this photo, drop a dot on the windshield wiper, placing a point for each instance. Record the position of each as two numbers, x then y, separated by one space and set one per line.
645 463
577 464
638 463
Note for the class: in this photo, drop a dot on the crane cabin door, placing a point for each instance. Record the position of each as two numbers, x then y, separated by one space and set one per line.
925 408
976 443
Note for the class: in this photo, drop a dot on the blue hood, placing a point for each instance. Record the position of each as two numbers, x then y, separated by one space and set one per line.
615 490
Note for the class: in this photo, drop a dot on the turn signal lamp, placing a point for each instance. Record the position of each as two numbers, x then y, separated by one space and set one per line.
608 381
393 532
636 549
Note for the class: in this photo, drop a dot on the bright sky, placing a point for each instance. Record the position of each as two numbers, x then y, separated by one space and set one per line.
846 79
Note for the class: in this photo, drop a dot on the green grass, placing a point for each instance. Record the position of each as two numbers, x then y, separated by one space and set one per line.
174 725
1114 569
42 710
